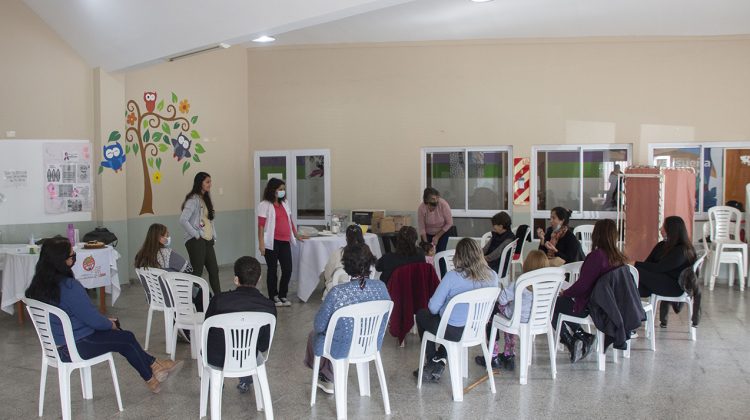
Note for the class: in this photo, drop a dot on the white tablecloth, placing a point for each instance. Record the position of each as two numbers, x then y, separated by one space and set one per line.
94 268
309 258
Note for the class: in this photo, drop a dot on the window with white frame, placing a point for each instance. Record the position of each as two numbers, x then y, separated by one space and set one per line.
475 181
582 178
722 169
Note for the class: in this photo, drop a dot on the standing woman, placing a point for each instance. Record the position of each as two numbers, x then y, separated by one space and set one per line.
197 219
559 242
435 220
276 235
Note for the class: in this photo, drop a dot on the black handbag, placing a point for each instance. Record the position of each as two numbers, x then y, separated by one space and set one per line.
101 234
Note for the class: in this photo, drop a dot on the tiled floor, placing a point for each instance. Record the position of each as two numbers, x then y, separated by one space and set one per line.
682 379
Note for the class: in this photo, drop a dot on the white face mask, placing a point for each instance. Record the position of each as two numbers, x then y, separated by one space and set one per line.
556 227
281 194
168 241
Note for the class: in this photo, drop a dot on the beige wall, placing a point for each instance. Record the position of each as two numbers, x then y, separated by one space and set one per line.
46 88
376 106
215 85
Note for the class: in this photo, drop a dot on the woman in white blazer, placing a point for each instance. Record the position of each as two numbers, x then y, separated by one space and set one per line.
276 235
197 220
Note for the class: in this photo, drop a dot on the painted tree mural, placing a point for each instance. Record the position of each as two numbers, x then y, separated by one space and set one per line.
150 132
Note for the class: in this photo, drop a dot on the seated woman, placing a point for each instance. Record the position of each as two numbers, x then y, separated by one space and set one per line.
357 260
660 272
471 272
334 273
94 334
574 300
559 242
501 237
406 253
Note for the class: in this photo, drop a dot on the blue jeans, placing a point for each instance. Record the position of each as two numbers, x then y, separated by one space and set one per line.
123 342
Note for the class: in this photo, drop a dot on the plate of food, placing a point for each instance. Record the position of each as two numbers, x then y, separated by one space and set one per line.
94 245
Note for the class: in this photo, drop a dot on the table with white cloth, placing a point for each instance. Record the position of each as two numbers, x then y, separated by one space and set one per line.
310 256
94 268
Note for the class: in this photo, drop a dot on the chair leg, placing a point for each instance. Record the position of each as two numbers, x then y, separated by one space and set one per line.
626 352
88 392
454 366
316 368
148 327
205 380
339 386
216 386
488 365
42 386
168 330
464 352
115 382
172 342
558 344
63 376
523 338
266 390
421 362
600 356
363 378
650 325
691 328
258 391
383 385
552 345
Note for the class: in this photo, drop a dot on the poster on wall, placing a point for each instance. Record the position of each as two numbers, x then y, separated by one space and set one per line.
67 177
521 181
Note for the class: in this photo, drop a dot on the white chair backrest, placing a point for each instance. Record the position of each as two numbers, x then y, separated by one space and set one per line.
573 270
545 285
157 292
480 303
485 238
446 256
634 273
698 264
525 239
367 317
181 288
725 222
241 332
506 257
584 233
40 313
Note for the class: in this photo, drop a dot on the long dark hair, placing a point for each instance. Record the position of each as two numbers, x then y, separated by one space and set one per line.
354 235
269 194
563 214
50 270
146 256
198 190
677 237
406 241
604 237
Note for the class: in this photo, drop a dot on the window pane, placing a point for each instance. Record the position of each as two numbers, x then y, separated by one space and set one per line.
680 158
713 177
446 173
600 186
558 178
488 187
310 187
272 167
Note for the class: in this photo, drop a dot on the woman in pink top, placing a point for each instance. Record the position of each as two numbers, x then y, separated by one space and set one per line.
276 234
435 219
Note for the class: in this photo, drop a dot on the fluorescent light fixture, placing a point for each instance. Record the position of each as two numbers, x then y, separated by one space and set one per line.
264 38
224 45
481 1
202 50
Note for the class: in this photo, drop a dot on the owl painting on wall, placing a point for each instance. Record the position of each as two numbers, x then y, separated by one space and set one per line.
114 157
181 147
150 99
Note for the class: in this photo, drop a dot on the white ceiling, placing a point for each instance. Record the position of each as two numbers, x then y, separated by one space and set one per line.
119 34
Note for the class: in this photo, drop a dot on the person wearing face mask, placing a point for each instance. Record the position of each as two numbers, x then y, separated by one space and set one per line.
435 220
559 242
276 235
54 283
197 219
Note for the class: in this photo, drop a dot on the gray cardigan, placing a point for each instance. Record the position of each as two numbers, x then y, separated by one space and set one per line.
190 219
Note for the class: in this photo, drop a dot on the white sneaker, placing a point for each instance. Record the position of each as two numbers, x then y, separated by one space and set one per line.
324 385
285 302
277 301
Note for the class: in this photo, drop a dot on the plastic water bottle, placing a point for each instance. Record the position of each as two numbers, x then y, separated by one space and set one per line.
71 234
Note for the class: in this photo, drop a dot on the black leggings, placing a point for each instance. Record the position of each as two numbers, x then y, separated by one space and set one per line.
564 305
427 321
281 254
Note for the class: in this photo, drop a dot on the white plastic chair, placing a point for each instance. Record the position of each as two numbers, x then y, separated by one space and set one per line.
447 257
545 285
518 262
158 300
506 257
584 233
40 315
684 298
648 308
573 270
479 304
241 331
725 225
367 318
485 238
185 315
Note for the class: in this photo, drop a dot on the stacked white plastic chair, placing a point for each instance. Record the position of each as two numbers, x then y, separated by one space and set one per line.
367 317
447 257
185 315
241 332
157 296
40 316
545 285
725 224
584 232
684 298
479 304
485 238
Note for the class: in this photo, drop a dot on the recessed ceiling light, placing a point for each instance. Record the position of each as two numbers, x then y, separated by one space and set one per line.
264 38
224 45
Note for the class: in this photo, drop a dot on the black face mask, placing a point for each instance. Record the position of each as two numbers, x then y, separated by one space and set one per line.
73 257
